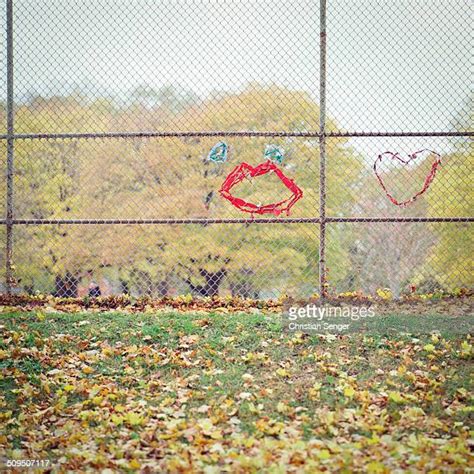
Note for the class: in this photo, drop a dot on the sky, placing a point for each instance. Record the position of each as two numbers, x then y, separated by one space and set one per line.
394 65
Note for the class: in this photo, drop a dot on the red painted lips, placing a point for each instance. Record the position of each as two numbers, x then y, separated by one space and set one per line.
244 170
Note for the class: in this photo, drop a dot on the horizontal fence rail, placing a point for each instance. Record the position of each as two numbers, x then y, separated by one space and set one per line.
222 133
287 220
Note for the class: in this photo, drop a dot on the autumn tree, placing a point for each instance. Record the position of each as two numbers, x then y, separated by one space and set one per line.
452 196
389 255
252 258
171 178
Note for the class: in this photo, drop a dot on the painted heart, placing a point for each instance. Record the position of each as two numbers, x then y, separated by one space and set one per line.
244 170
395 156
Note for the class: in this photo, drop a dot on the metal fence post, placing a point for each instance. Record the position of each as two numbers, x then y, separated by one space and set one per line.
10 150
322 149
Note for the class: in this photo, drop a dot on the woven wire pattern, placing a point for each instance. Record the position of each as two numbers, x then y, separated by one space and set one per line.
116 105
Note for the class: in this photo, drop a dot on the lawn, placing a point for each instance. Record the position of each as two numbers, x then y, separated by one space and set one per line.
220 392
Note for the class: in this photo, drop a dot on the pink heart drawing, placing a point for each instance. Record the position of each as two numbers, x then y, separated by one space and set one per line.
395 156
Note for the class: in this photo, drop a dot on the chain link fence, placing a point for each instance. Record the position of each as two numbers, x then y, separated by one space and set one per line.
108 111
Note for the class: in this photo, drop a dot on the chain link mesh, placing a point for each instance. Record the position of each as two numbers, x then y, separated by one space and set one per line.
140 213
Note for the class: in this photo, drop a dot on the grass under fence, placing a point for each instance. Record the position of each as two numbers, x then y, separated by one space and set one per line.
215 392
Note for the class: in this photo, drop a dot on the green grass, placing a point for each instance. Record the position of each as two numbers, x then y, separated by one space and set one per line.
244 375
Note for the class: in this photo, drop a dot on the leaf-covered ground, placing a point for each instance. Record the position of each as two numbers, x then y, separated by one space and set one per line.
213 392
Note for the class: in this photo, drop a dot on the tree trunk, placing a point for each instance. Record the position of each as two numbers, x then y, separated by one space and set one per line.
66 286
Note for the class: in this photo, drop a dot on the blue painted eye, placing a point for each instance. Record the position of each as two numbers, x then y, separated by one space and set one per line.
218 153
274 153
